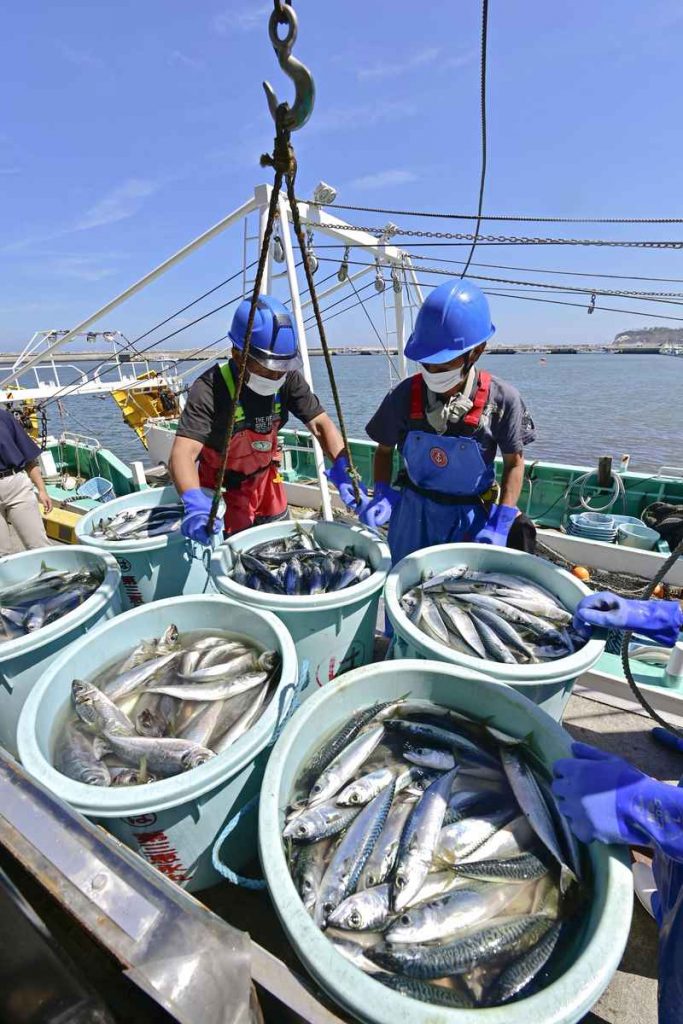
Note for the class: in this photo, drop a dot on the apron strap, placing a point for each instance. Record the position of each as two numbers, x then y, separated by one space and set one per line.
481 397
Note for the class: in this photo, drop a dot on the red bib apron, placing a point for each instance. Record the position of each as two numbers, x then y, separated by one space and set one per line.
260 493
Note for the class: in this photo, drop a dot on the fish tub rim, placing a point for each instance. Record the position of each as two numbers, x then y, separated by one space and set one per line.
360 990
164 794
298 602
124 547
571 666
100 598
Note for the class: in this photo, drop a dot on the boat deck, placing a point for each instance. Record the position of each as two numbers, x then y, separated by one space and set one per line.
630 999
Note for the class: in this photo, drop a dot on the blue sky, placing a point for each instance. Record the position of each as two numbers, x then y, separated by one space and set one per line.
128 128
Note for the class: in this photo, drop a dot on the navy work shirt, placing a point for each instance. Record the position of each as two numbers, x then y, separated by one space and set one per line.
16 447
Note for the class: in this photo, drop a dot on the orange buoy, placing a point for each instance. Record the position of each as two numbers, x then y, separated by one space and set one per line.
581 573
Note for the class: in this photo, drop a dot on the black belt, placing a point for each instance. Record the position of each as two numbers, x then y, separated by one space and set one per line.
11 471
438 496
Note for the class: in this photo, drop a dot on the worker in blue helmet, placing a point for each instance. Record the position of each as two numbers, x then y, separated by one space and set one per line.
607 799
274 387
448 422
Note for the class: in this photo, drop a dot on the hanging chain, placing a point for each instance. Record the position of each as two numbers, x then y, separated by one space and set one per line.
283 161
301 238
260 270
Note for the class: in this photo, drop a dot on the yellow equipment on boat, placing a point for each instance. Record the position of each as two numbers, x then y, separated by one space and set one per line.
142 404
60 525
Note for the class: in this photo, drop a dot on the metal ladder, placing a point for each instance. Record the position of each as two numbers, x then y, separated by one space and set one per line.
249 243
410 308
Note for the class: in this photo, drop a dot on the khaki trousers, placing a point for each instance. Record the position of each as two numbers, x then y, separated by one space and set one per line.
21 524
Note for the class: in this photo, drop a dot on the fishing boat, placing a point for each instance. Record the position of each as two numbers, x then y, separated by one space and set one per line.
78 470
184 959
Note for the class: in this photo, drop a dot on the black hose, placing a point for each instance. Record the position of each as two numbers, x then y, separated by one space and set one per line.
649 589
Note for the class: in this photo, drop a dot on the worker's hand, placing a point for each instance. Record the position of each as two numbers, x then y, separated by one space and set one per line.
45 500
378 511
661 621
497 527
339 474
197 507
602 796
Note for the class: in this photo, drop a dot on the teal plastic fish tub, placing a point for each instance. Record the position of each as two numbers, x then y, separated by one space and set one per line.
334 632
153 568
24 659
174 822
588 963
548 684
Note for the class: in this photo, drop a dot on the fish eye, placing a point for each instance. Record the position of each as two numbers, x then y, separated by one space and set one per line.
301 830
400 881
372 880
405 919
355 919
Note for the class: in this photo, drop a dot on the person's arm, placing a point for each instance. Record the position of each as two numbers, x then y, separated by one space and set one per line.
182 464
328 436
34 475
383 464
512 480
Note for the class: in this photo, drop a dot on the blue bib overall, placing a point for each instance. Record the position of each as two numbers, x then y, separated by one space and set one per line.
449 466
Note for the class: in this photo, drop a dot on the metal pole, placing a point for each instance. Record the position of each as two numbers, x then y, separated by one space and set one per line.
400 332
413 279
286 236
217 229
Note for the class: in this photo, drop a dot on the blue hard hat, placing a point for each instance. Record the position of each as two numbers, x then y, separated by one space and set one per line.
453 319
274 343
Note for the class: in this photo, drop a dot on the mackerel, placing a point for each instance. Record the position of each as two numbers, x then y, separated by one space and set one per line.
438 920
530 799
510 937
346 764
348 860
418 840
97 711
136 678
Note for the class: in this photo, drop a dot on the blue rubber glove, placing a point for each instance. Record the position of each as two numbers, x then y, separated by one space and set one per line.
662 621
197 506
378 512
497 527
604 797
339 475
667 739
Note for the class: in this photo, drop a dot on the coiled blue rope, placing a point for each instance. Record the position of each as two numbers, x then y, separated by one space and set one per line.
289 702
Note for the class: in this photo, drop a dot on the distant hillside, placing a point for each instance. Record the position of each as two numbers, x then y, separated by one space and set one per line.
649 336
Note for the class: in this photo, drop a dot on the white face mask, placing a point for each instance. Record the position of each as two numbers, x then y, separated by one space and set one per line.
441 382
264 385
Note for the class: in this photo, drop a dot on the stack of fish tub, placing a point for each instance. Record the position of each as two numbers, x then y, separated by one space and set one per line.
333 631
142 532
51 596
388 982
546 682
173 822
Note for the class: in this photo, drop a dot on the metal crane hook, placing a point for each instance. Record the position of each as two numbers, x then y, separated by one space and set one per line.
285 116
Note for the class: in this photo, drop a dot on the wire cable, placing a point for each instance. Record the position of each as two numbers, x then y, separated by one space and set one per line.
482 179
516 218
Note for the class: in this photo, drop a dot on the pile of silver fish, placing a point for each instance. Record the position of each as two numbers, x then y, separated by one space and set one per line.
298 565
41 599
168 706
493 616
430 850
140 523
